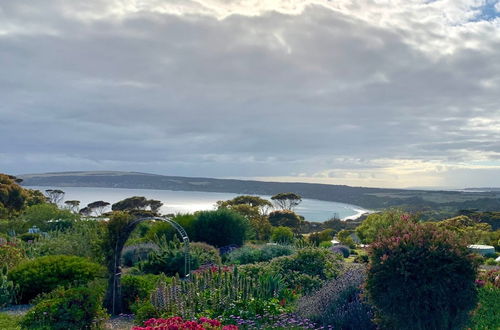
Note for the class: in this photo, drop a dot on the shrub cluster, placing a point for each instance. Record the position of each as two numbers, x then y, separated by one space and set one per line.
421 277
44 274
74 308
135 288
176 322
251 254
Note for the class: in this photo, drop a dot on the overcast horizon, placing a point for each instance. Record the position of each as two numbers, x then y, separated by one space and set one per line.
363 93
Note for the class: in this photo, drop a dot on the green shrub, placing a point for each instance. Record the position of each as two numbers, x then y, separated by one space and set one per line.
221 227
136 288
44 274
283 235
133 254
168 259
162 229
40 215
7 289
252 254
83 239
75 308
11 255
487 315
10 322
205 254
26 237
421 277
307 269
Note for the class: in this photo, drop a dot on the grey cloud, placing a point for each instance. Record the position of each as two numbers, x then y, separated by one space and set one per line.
266 95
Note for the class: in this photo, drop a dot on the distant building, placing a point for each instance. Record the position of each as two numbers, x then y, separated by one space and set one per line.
481 249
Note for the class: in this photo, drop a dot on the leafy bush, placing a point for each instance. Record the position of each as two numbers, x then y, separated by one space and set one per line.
11 255
40 215
136 288
338 303
83 239
7 289
168 259
26 237
205 254
133 254
307 269
283 235
252 254
486 316
221 227
75 308
44 274
428 264
165 230
342 250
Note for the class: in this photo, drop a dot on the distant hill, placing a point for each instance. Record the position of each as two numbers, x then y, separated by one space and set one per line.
371 198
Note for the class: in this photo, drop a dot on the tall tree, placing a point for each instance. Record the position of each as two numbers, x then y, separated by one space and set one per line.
131 203
287 201
155 205
54 196
73 205
98 207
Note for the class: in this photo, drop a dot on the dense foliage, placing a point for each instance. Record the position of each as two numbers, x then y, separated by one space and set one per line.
251 254
44 274
178 323
428 264
338 303
221 227
62 309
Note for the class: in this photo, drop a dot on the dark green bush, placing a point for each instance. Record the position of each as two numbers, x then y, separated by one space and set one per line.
161 229
133 254
252 254
26 237
136 288
169 259
221 227
421 277
44 274
341 249
74 308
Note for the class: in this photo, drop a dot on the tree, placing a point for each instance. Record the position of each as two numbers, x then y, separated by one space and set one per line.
54 196
12 195
221 227
254 209
73 205
373 225
287 201
86 211
98 207
285 218
471 231
137 203
155 205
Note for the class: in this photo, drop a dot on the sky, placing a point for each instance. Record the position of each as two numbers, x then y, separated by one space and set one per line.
379 93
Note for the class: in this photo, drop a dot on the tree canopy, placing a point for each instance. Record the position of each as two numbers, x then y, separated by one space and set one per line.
287 201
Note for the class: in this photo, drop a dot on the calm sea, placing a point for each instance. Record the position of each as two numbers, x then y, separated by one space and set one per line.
190 201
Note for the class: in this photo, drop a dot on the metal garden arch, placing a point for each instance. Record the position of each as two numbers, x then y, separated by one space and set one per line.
116 292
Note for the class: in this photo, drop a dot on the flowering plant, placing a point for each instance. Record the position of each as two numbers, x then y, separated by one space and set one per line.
178 323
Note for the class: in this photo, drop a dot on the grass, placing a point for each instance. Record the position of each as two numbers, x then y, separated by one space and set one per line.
9 322
487 315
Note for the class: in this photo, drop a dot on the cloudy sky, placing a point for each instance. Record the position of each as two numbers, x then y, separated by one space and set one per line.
399 93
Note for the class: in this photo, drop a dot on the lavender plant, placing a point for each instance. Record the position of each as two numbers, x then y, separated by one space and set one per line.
338 303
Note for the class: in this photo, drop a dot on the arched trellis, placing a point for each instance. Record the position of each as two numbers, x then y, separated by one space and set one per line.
114 293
